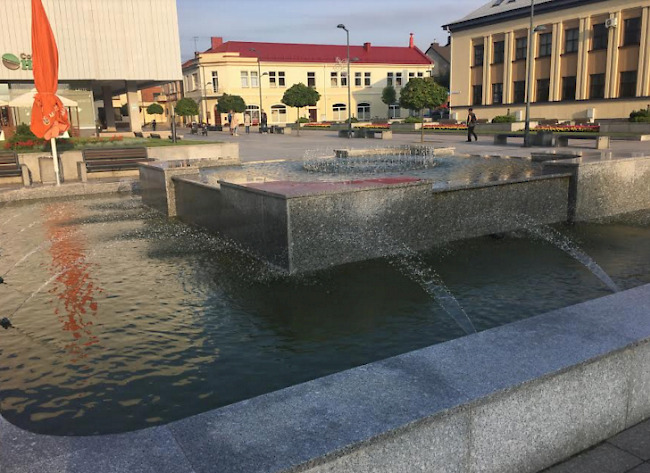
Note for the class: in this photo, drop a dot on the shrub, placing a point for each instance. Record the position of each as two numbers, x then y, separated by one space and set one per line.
504 119
352 120
303 120
640 116
412 120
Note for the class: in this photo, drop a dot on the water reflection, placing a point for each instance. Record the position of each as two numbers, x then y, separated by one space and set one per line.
73 287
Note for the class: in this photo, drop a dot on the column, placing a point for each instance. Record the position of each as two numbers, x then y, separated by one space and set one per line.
507 68
533 62
109 111
643 81
583 58
611 76
134 105
556 58
487 70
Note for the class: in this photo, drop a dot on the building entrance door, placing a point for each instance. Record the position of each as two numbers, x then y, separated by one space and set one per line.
313 115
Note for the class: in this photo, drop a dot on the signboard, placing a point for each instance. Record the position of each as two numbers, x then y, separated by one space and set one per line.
13 62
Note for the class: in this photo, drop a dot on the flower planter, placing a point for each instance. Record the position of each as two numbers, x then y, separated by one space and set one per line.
503 127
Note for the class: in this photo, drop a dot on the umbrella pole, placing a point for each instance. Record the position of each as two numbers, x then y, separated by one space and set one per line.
56 161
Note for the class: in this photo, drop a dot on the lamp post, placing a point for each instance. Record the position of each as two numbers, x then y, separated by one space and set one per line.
259 86
347 32
529 66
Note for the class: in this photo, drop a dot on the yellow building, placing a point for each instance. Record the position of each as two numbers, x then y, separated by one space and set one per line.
261 72
591 59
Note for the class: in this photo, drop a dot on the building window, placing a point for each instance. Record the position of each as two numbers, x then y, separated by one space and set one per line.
311 79
367 79
389 78
420 74
601 37
358 79
411 75
543 90
398 79
254 112
632 31
519 91
281 81
521 48
363 111
545 44
569 88
497 93
339 110
499 52
273 79
628 84
195 81
477 94
597 86
278 114
394 111
244 79
334 79
215 81
344 79
254 79
571 40
479 54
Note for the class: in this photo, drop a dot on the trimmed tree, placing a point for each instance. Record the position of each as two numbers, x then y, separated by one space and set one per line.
422 93
155 109
298 96
187 107
231 102
389 96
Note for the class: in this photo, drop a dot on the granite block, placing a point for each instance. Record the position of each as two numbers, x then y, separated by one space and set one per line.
331 416
602 459
529 429
440 446
639 402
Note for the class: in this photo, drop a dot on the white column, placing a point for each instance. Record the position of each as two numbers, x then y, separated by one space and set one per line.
643 81
583 55
109 111
507 71
134 105
611 76
487 70
556 64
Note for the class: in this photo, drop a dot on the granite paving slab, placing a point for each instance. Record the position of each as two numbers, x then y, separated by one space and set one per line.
635 440
603 459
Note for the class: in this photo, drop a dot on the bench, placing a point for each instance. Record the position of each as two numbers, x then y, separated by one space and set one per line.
381 134
11 167
155 136
502 138
602 142
178 137
344 133
102 160
281 130
138 134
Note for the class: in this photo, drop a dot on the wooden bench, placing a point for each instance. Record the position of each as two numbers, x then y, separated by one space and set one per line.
178 137
602 142
281 130
11 167
103 160
380 134
502 138
344 133
138 134
155 136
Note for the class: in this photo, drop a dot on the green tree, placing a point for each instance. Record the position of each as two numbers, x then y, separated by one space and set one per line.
298 96
231 102
389 97
422 93
187 107
155 109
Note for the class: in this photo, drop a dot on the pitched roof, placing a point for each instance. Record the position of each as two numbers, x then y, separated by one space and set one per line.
502 10
324 53
443 51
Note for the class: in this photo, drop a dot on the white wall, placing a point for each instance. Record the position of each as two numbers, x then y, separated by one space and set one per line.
99 39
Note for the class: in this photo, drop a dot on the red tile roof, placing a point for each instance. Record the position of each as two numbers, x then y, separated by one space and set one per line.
324 53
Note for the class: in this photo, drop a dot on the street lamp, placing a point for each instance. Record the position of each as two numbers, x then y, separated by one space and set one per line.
347 32
529 75
259 85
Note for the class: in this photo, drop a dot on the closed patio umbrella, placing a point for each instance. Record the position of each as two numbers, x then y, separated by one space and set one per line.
49 115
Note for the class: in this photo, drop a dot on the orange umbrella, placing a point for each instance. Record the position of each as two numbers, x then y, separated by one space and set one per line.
49 116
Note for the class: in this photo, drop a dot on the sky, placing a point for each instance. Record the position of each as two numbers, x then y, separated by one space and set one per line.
381 22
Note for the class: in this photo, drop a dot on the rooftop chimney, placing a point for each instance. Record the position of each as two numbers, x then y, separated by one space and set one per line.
216 41
367 46
411 43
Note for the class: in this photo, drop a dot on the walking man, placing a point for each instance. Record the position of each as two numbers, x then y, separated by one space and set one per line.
247 123
471 125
